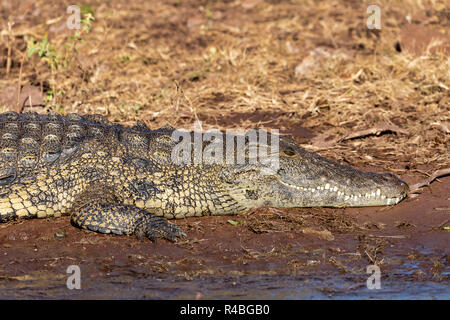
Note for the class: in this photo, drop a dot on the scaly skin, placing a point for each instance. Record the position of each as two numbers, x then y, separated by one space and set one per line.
116 179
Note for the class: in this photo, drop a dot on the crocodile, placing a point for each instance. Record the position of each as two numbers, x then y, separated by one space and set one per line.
123 180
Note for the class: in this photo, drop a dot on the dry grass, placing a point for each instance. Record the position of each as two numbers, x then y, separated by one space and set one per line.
172 62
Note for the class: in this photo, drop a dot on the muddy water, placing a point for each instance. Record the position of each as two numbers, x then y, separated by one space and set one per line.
242 287
271 254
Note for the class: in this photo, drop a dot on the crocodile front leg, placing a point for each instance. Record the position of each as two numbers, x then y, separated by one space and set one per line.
124 219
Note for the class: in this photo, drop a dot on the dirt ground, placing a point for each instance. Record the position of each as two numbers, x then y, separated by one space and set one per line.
377 100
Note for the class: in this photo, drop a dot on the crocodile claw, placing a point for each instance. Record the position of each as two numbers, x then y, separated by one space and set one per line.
152 227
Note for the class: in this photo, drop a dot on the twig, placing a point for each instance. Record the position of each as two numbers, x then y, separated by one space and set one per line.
320 140
444 127
393 237
370 258
19 85
375 131
443 223
8 59
429 180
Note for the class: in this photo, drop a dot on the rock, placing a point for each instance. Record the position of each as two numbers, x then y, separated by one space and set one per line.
316 58
322 234
30 96
310 62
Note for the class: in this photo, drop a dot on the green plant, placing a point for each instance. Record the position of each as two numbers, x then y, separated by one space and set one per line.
137 108
59 60
49 97
86 27
56 59
45 51
59 109
124 59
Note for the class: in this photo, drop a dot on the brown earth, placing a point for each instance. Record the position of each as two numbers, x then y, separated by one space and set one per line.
310 69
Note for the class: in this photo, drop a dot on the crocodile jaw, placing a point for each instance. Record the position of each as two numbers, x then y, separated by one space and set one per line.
336 195
329 184
306 179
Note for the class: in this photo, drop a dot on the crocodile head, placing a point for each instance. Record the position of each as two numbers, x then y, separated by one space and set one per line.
305 179
300 179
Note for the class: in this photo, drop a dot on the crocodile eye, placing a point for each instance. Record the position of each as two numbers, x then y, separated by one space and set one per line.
289 152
